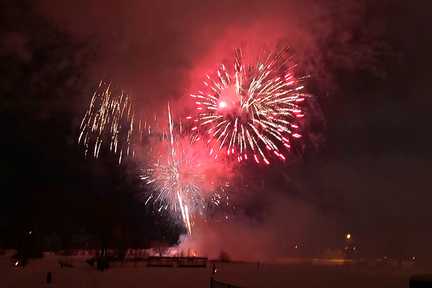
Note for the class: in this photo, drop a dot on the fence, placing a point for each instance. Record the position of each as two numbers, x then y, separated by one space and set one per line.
177 262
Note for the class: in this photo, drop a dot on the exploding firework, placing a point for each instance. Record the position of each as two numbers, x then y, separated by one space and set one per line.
178 178
251 110
177 173
110 119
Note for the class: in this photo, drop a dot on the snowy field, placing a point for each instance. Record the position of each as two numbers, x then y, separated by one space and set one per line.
34 275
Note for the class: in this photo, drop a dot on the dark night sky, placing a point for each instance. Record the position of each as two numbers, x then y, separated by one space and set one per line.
370 66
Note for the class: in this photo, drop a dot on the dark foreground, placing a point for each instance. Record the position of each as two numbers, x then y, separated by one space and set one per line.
252 275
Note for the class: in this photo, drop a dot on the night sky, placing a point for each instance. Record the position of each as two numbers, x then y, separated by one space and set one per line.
369 62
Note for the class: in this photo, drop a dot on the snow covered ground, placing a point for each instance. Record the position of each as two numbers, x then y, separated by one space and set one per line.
252 275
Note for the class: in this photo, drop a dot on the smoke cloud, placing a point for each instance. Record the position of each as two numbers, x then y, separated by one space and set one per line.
289 229
160 50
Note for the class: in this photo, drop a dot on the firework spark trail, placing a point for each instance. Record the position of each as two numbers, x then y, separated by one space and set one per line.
110 118
251 107
176 175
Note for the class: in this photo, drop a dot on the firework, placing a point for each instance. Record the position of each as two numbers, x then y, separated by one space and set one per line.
110 119
177 175
251 110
